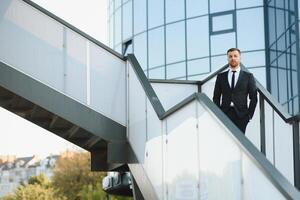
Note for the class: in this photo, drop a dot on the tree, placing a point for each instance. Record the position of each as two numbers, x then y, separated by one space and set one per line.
72 178
73 173
40 179
38 187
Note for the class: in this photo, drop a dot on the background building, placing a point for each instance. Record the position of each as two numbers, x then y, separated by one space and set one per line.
188 39
15 171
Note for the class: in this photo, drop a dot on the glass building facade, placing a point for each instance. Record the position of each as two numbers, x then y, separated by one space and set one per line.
188 39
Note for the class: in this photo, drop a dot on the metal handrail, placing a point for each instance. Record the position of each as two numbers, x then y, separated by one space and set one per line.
288 118
267 168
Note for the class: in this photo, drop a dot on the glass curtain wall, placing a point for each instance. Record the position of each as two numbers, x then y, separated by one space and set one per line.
282 46
187 39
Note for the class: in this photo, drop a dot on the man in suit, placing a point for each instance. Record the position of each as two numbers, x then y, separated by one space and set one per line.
234 86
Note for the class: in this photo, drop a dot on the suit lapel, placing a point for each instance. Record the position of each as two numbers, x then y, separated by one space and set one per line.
226 80
239 79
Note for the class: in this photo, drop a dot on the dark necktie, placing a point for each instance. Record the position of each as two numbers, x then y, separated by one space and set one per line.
232 79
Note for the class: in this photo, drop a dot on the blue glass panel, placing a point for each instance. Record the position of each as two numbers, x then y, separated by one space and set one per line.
248 3
279 3
156 47
111 31
197 77
196 7
217 62
175 42
139 7
280 22
222 22
219 6
118 27
198 66
250 29
127 20
272 27
295 83
157 73
197 37
117 3
177 70
118 48
222 42
174 10
282 85
140 49
253 59
259 74
274 82
155 13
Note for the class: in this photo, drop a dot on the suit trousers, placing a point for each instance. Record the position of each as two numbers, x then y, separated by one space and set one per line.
241 123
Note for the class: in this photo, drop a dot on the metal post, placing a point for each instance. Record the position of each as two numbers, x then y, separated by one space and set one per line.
262 124
296 154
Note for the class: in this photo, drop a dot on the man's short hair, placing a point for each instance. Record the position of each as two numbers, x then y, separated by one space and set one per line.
233 49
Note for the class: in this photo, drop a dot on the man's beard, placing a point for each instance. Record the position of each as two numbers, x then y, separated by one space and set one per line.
234 64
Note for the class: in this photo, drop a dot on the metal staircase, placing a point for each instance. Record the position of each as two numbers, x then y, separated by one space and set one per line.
175 142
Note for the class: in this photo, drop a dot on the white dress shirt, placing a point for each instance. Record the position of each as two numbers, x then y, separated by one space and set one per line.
236 77
237 73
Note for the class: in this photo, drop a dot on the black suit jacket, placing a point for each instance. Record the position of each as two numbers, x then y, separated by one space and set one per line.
244 87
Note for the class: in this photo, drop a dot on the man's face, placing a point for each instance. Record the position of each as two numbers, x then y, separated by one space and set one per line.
234 58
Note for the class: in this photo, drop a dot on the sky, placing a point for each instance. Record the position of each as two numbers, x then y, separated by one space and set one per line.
22 138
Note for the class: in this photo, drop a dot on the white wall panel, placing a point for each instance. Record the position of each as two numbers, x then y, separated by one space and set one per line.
283 147
107 84
154 150
182 154
256 185
172 94
220 159
137 135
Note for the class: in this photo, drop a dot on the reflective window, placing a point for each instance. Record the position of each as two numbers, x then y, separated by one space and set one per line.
253 59
155 13
282 61
279 22
156 47
198 66
271 20
295 83
197 37
140 49
196 7
219 6
118 48
176 71
139 7
118 27
282 78
248 3
127 20
260 74
223 22
197 77
174 10
279 4
271 3
218 62
250 29
111 31
117 3
222 42
157 73
175 42
111 8
274 82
